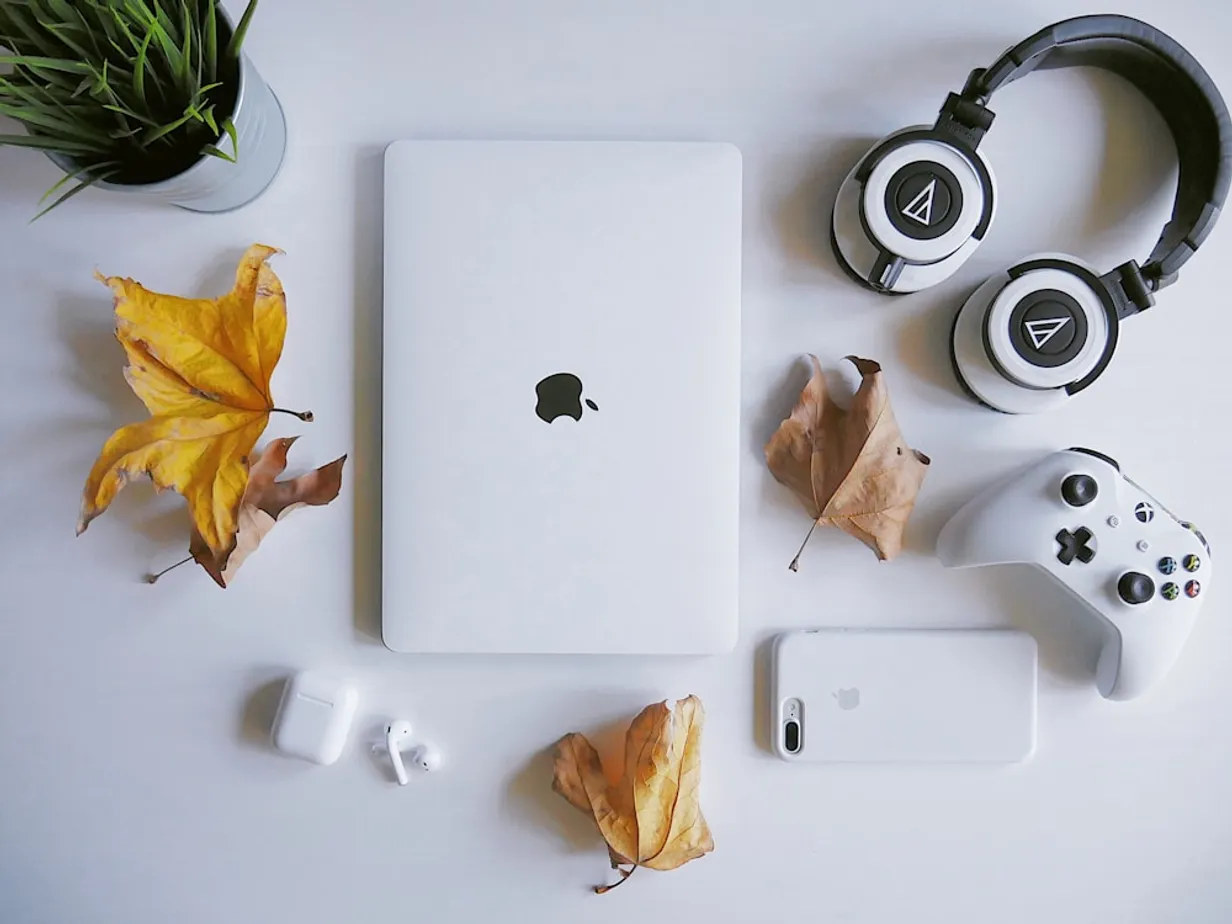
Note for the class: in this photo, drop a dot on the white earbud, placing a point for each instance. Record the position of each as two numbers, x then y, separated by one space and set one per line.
397 736
426 758
423 756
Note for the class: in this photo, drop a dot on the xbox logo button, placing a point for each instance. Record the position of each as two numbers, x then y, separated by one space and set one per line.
923 200
1048 328
1144 512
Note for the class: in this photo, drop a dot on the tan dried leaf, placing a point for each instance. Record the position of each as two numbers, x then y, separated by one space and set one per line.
652 817
688 835
266 501
850 469
578 776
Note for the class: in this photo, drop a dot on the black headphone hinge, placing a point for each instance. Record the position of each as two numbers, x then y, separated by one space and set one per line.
1130 289
964 115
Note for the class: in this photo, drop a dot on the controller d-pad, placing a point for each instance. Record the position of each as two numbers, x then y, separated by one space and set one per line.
1075 545
1085 550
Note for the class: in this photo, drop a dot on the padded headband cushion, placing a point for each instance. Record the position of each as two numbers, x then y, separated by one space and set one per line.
1176 85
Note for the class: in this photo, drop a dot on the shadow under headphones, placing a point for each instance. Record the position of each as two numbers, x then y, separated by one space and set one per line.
917 206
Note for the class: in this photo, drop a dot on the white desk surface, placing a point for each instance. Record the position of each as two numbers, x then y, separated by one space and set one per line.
134 785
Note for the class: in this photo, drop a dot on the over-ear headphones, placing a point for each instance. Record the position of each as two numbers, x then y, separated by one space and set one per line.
915 208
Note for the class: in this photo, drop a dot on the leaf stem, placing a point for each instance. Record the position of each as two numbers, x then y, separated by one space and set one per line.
795 562
152 578
305 416
624 875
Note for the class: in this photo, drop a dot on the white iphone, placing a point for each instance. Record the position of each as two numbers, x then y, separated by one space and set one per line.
904 695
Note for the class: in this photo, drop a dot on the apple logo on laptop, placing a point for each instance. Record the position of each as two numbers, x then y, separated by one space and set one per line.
847 699
560 395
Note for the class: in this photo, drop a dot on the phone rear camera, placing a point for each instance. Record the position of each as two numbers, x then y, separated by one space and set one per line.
791 737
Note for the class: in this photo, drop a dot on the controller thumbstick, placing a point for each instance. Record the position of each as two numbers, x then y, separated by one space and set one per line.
1135 587
1079 490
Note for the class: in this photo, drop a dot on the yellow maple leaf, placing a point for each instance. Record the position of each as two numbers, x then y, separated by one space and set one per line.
202 368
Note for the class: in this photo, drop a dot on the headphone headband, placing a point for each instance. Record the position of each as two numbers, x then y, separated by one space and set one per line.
1175 83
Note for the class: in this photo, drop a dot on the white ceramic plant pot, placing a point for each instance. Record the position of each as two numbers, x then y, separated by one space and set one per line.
216 185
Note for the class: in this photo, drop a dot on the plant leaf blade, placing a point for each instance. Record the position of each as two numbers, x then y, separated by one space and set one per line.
241 31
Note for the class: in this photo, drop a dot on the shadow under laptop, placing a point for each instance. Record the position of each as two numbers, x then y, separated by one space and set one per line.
368 291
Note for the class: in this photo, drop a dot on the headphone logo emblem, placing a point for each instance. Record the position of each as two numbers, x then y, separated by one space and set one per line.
1144 512
921 207
1044 329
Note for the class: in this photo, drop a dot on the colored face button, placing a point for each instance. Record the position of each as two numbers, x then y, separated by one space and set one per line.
1192 589
1170 591
1167 565
1191 562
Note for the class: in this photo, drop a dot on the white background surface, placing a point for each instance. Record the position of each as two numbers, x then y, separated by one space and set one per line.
134 785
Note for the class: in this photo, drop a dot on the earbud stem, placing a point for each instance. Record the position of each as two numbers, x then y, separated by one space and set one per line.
395 757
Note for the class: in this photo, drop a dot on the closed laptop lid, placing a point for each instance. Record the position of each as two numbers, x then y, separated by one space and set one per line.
561 397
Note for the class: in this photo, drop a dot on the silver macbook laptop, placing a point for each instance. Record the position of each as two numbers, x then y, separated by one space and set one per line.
561 397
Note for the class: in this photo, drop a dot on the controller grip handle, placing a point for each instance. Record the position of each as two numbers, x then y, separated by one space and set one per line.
979 535
1108 668
1122 674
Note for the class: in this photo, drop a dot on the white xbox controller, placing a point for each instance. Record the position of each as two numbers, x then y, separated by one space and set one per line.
1140 571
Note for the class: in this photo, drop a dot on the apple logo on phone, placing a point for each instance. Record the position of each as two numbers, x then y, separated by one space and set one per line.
560 395
847 699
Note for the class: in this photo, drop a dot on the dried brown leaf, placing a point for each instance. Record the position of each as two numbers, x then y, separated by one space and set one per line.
578 775
267 501
849 469
688 835
652 816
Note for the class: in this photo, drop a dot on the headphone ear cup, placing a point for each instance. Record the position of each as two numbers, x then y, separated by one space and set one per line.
912 211
966 351
1030 338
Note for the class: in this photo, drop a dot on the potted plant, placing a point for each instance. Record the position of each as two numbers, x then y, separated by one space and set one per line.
146 96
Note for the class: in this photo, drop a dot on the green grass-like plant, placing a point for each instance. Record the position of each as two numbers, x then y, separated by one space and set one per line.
127 91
